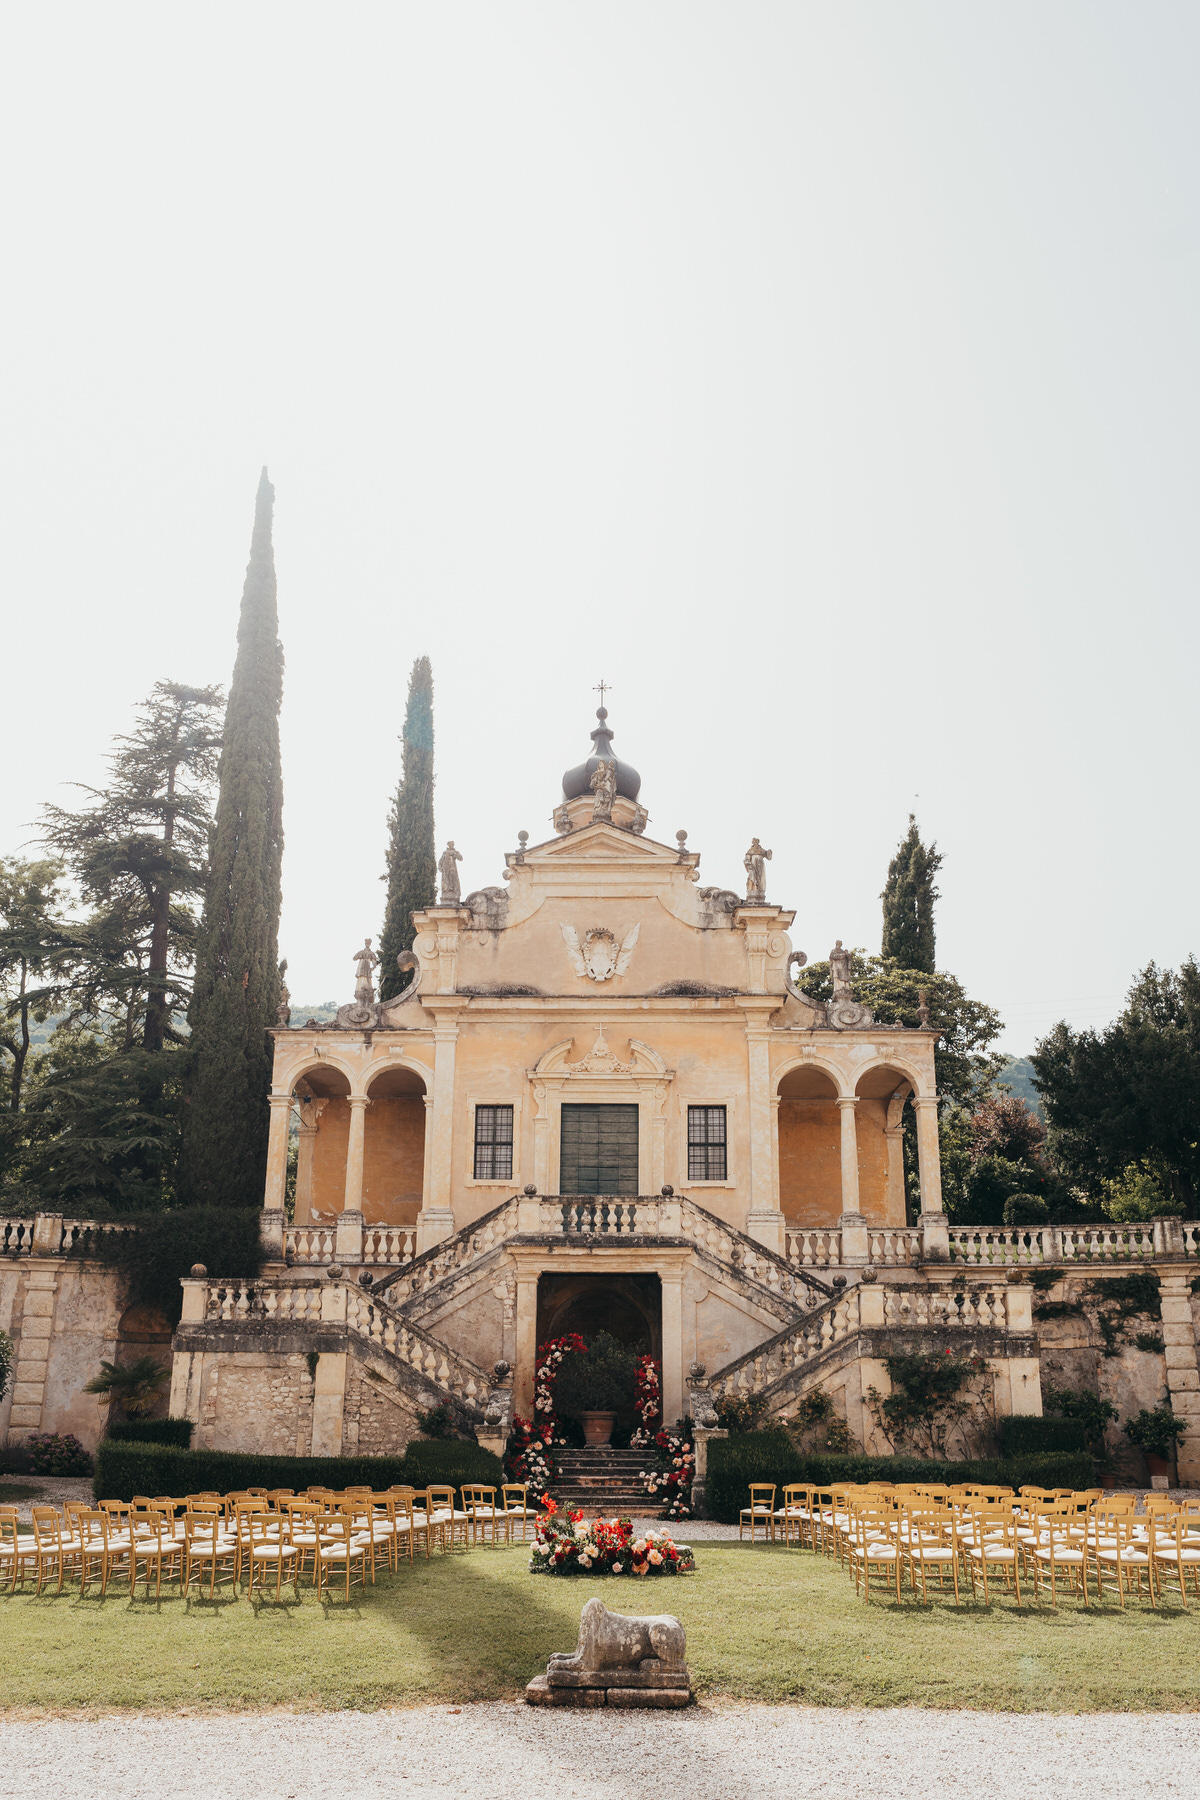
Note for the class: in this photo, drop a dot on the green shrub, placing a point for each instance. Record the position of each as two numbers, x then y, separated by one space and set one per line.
1157 1432
1023 1435
733 1463
175 1432
600 1381
56 1453
124 1469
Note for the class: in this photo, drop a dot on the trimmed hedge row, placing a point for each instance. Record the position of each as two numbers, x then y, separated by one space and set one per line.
176 1432
1030 1436
126 1469
734 1462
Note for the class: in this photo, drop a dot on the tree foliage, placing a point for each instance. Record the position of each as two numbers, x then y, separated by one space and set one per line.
411 854
1128 1098
236 991
139 856
908 900
40 957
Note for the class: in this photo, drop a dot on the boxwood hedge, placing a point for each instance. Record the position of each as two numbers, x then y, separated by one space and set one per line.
734 1462
176 1432
124 1469
1029 1436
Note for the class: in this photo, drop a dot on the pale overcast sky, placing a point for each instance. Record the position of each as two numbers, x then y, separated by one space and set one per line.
822 376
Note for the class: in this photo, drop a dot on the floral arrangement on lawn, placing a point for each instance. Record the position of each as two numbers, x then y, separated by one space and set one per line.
669 1477
567 1544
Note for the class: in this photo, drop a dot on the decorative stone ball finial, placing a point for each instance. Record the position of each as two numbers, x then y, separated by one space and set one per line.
522 839
681 838
667 1192
366 1279
500 1371
198 1271
530 1189
334 1271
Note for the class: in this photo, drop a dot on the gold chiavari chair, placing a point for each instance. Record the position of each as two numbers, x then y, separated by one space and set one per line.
208 1545
1173 1551
152 1547
871 1544
266 1550
515 1498
339 1549
480 1503
928 1539
10 1545
101 1548
51 1551
989 1542
449 1521
1057 1549
1116 1547
761 1510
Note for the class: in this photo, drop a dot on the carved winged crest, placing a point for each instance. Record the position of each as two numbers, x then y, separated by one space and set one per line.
599 957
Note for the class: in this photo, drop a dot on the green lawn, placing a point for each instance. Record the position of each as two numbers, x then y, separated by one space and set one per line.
762 1623
12 1491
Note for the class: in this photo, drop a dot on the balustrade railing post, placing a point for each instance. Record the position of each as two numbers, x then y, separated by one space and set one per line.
47 1234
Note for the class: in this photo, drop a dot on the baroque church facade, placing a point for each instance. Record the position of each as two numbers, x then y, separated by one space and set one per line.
601 1101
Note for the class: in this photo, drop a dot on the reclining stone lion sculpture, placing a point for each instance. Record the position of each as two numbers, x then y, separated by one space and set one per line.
618 1662
609 1640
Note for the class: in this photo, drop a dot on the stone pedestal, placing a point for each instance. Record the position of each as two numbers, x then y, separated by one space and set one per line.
649 1685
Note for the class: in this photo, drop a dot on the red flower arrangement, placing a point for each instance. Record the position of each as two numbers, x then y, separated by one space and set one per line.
565 1545
529 1456
673 1472
647 1393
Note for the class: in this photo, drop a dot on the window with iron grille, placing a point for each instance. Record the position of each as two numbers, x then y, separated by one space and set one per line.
706 1143
493 1143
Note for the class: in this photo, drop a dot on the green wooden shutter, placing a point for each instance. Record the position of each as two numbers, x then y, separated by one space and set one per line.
599 1150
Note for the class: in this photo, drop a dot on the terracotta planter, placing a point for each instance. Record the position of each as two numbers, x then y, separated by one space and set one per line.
598 1426
1157 1465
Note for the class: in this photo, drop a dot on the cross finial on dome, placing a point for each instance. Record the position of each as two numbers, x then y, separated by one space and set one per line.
602 688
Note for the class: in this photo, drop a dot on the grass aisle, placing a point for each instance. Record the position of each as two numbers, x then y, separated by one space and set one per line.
762 1624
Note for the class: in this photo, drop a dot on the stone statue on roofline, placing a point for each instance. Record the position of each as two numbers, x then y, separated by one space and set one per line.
843 1012
448 863
839 972
364 984
604 785
755 864
283 1012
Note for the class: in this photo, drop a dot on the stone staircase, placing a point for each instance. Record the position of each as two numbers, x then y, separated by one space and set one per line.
604 1482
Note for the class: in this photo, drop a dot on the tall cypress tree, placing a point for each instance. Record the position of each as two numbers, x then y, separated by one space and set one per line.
908 934
235 995
411 861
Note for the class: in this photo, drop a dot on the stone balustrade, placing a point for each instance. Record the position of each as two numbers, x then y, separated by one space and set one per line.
762 1367
16 1237
911 1308
895 1247
455 1254
382 1246
51 1234
309 1244
815 1249
338 1303
601 1215
1017 1247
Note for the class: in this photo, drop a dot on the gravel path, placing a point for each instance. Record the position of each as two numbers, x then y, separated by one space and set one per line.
728 1753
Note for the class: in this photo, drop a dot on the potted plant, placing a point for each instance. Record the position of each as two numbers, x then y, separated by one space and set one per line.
595 1386
1156 1433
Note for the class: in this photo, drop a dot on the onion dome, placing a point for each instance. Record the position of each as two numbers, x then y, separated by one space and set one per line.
576 781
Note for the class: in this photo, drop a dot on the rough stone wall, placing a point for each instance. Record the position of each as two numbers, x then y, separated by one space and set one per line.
255 1401
62 1316
378 1421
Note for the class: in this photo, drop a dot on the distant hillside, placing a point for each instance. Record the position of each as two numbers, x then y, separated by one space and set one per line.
1018 1075
323 1014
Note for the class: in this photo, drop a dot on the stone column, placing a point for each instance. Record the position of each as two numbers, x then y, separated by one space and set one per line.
897 1210
934 1228
527 1282
852 1225
310 1124
277 1149
671 1281
764 1221
436 1220
348 1243
1183 1375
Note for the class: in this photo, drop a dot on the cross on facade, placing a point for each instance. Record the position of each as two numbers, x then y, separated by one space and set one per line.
602 688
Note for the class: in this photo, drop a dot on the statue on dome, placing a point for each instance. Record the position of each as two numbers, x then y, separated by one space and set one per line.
755 864
604 785
448 870
364 985
839 970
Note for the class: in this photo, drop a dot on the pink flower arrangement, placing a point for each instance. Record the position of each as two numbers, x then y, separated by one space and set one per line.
569 1546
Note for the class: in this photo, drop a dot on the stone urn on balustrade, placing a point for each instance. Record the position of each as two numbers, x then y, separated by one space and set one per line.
597 1427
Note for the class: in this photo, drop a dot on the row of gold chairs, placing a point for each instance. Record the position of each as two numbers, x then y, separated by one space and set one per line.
258 1535
1077 1539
